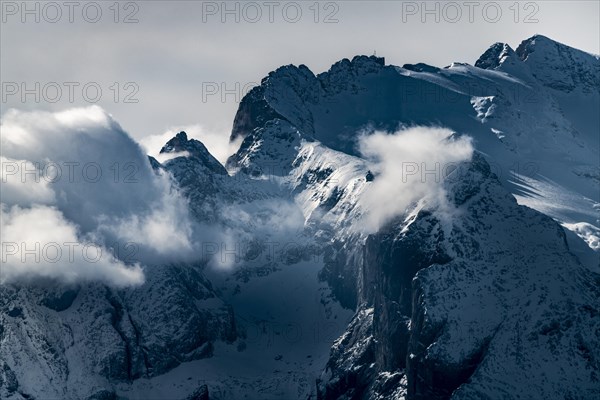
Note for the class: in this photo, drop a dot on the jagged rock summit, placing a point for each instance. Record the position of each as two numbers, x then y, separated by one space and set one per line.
497 299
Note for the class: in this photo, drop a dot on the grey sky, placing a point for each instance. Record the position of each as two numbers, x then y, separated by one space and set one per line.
180 47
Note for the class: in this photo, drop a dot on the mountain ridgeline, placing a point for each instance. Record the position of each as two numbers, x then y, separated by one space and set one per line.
492 293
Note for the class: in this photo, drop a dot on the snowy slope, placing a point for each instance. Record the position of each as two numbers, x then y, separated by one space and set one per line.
298 300
527 126
536 152
465 311
285 333
77 342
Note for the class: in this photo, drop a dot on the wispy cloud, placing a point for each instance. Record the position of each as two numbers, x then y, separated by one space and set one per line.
409 165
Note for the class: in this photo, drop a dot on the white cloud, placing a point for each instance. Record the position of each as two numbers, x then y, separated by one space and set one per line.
166 228
38 243
27 190
164 157
263 230
409 165
79 170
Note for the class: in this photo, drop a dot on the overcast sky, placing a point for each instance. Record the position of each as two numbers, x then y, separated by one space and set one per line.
173 56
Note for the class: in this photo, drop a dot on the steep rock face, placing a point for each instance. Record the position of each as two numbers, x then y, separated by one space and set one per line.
463 311
268 150
492 57
79 342
106 336
327 184
502 57
569 77
291 91
187 310
206 184
200 394
293 94
502 319
559 66
393 262
197 174
343 74
253 112
195 150
484 302
350 371
285 95
527 127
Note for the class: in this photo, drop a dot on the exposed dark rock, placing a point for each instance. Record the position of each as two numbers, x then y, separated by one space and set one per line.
61 300
199 394
421 67
253 112
195 150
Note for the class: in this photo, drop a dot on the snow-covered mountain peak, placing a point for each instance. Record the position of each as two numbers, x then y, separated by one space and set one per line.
359 65
560 67
179 139
290 93
501 57
544 44
470 296
495 56
181 146
290 71
512 103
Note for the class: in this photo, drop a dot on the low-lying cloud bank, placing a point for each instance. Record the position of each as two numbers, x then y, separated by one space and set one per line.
75 180
409 165
80 201
38 242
